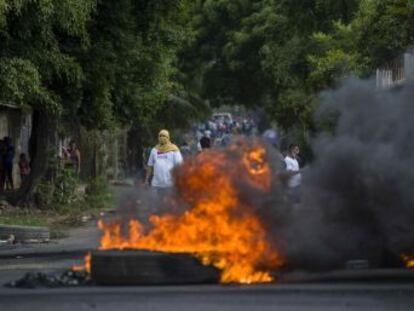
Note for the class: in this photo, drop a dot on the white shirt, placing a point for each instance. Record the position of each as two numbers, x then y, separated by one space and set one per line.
163 163
293 166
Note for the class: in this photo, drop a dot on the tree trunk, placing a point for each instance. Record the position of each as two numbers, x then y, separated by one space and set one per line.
135 149
42 147
135 163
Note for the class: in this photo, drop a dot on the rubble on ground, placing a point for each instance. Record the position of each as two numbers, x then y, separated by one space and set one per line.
68 278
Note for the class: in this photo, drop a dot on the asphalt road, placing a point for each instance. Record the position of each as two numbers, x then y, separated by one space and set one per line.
350 295
300 296
306 296
215 297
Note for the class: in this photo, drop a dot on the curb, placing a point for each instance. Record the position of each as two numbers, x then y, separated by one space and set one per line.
24 233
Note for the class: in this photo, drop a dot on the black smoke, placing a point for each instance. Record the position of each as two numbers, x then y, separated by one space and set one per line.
358 194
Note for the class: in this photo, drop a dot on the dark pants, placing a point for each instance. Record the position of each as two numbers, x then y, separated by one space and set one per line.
294 194
2 179
9 178
23 179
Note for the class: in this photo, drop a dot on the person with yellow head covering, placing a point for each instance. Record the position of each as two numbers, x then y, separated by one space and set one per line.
163 158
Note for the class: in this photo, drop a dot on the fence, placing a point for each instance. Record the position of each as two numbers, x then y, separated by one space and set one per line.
396 72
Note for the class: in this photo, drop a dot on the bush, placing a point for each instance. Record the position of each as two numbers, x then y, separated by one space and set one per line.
98 193
65 194
58 192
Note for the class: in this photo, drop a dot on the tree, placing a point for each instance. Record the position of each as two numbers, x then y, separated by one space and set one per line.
94 63
36 70
255 53
379 32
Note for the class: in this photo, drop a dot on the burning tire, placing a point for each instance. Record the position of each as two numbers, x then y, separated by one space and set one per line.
115 267
24 233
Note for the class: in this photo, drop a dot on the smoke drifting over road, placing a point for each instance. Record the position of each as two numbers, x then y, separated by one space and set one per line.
358 193
357 198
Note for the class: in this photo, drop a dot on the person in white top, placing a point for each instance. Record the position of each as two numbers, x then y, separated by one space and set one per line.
163 158
294 175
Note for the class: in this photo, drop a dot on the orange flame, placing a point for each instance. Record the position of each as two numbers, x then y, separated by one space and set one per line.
86 266
408 260
218 228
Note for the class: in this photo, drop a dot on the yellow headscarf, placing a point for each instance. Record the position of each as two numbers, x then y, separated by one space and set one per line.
164 143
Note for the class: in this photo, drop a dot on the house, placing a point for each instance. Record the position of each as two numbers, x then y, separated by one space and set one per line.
103 153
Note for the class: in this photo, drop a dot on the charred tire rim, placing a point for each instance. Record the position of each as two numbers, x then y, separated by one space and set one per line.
115 267
24 233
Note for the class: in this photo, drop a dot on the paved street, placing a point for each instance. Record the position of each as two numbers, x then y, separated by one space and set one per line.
306 296
58 256
263 297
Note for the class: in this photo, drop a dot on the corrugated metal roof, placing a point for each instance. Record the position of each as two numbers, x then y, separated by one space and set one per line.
9 105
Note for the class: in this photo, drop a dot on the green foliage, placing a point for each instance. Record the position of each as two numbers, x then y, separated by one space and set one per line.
255 53
36 64
280 54
294 104
334 57
97 64
379 32
60 192
44 195
20 82
161 63
98 194
65 194
384 29
130 66
62 203
101 63
23 217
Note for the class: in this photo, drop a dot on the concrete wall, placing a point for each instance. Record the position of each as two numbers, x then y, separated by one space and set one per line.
102 152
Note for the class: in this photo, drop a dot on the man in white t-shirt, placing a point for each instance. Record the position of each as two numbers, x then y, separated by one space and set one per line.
295 177
163 158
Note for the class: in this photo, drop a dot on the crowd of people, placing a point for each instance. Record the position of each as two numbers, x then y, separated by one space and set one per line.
71 158
165 156
162 158
220 129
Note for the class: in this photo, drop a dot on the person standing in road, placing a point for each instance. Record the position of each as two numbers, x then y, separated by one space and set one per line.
205 143
163 158
294 175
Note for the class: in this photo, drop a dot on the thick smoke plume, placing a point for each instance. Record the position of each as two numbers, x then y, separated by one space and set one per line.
358 200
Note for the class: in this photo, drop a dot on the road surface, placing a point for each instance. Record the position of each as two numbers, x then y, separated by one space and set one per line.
215 297
56 257
306 296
